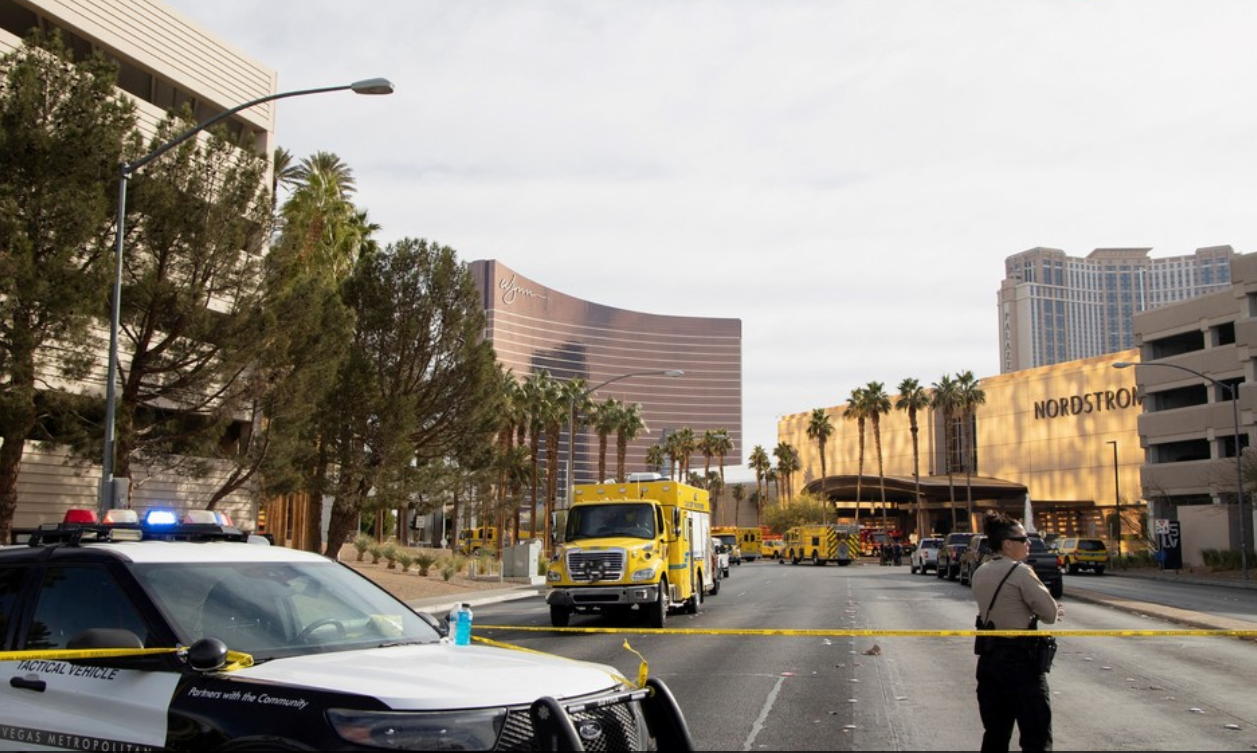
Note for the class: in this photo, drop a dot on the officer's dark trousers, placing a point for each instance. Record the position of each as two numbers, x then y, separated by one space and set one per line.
1011 690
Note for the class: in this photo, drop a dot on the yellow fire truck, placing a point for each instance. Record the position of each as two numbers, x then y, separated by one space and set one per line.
822 544
472 540
643 545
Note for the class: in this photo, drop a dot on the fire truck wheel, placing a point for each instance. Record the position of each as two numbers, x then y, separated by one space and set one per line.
659 610
560 616
715 587
696 597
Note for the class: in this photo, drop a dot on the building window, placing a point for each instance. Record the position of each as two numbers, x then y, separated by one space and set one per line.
1223 334
1174 345
1179 452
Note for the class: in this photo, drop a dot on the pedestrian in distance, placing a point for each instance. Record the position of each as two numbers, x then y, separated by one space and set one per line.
1012 671
897 548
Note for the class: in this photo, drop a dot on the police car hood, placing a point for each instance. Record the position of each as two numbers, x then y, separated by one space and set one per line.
440 676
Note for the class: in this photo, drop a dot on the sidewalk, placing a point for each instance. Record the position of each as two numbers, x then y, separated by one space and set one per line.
1185 617
439 606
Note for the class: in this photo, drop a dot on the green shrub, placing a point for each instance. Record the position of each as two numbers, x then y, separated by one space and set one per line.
361 542
405 558
376 551
448 570
390 552
425 561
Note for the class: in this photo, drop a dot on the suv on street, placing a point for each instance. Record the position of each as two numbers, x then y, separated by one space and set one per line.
974 555
954 545
925 556
1078 554
1044 561
219 641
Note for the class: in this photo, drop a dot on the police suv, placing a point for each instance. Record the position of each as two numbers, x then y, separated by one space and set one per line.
181 633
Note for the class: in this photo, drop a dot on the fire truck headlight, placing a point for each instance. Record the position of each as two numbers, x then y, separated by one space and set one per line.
644 576
554 574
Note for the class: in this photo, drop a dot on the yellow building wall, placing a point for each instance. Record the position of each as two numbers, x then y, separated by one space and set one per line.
1046 428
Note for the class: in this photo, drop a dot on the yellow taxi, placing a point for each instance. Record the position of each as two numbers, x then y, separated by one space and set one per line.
1083 554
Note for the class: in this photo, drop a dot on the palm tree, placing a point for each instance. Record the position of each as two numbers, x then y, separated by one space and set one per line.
514 416
739 494
686 445
540 393
819 430
632 425
787 464
605 419
656 457
568 402
759 462
912 399
946 398
855 412
332 231
771 478
971 395
709 446
671 448
877 404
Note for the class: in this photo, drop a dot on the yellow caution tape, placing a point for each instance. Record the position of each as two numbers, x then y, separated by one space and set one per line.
235 659
832 632
642 668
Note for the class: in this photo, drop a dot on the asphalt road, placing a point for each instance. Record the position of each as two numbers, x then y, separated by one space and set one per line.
845 692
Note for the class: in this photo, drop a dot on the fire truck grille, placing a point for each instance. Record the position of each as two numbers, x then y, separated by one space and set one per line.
595 566
610 728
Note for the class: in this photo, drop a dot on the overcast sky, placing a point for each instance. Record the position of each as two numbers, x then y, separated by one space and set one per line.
845 177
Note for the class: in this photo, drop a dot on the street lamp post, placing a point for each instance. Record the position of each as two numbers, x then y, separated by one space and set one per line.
111 489
1117 498
571 423
1233 391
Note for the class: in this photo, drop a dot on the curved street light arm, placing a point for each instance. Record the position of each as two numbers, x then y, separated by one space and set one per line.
109 495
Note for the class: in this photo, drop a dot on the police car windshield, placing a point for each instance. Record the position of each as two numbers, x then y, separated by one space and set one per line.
601 521
279 609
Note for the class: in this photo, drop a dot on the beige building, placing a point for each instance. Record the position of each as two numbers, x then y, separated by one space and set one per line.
1194 356
1064 434
166 61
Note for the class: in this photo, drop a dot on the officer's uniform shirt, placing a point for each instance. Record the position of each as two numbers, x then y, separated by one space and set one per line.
1022 596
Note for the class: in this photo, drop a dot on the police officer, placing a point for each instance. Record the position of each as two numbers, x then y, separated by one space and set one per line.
1012 686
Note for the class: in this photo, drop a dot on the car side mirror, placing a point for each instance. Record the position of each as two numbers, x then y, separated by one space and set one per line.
207 655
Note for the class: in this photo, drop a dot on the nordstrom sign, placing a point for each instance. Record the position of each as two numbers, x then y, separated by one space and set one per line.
1088 402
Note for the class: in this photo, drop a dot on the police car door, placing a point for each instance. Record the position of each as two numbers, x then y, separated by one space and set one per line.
48 702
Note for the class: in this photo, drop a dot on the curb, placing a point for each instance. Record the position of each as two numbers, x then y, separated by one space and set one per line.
438 606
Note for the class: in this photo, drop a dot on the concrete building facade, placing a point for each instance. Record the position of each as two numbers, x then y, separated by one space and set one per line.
1055 308
165 62
1194 357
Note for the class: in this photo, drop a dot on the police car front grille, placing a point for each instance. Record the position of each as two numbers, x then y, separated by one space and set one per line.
620 730
593 566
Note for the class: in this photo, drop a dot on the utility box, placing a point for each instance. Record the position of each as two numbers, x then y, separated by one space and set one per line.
521 560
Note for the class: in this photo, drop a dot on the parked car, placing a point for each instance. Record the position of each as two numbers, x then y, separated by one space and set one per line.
1084 554
1047 565
925 556
224 643
954 545
974 555
1045 562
